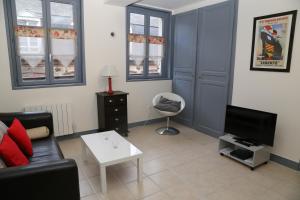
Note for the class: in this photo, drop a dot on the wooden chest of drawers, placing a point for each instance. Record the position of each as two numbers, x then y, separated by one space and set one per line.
112 112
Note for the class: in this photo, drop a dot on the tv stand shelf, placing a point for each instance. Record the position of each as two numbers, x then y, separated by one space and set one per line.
261 153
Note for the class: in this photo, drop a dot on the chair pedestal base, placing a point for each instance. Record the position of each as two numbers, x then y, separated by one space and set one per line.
167 131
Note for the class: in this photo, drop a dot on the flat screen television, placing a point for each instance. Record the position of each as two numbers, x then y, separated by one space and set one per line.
257 127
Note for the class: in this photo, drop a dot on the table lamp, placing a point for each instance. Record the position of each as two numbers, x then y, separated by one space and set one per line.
109 71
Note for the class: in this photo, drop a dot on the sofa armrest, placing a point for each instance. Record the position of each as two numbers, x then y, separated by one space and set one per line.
48 181
29 119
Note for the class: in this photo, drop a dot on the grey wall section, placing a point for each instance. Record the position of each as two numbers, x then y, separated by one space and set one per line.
184 62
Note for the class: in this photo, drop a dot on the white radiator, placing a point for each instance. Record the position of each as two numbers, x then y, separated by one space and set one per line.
62 116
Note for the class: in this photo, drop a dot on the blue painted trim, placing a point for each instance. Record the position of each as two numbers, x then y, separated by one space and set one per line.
286 162
76 135
16 79
171 57
10 40
131 125
148 79
233 50
278 159
147 12
48 86
146 122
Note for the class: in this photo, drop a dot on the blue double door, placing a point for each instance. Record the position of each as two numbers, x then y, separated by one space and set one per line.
203 65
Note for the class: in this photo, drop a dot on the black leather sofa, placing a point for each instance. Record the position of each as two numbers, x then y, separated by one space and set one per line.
48 176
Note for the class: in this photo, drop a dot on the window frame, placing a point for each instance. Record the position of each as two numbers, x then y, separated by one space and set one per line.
15 69
165 66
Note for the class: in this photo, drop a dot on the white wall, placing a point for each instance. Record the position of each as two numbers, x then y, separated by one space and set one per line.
270 91
100 50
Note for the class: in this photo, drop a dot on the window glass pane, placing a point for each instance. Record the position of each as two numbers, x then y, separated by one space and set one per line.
32 57
63 53
155 59
63 40
29 12
61 15
137 23
136 58
156 26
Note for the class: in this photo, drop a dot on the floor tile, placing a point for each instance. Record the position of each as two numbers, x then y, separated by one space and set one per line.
85 188
158 196
143 189
185 166
166 179
91 197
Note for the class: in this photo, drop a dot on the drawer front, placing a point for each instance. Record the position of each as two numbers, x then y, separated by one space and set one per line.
121 99
109 101
116 110
117 119
117 123
115 100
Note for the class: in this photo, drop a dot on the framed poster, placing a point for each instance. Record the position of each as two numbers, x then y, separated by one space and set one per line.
272 42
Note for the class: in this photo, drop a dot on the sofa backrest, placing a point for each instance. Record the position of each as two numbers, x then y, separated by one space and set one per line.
29 119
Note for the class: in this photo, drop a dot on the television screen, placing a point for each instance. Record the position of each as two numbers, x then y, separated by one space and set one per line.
251 125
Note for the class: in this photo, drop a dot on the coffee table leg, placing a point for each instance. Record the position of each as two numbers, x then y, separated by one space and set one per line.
83 151
140 169
103 179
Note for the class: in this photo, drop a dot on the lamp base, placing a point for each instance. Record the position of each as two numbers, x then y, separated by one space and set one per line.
110 92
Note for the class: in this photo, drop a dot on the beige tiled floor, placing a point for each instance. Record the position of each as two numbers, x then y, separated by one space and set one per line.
186 166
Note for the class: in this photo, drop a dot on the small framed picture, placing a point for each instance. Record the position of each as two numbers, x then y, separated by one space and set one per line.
272 42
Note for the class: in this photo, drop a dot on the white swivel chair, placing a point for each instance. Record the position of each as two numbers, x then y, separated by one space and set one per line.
171 96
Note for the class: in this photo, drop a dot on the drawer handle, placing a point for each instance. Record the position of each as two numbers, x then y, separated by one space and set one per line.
116 119
117 129
122 100
110 101
116 109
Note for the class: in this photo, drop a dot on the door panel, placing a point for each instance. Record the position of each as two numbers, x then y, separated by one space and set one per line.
185 41
215 33
184 87
209 96
185 48
217 23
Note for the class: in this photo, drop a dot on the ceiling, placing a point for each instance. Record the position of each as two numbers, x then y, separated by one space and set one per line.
168 4
162 4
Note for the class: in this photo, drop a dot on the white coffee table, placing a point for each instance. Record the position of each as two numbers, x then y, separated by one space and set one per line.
109 148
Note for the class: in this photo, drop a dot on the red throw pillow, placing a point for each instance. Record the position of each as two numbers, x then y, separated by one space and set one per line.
11 153
18 133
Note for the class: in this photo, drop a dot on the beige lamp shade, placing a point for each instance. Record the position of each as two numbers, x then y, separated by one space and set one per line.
109 71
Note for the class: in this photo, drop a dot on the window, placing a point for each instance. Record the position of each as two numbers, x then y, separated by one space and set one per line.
45 39
147 43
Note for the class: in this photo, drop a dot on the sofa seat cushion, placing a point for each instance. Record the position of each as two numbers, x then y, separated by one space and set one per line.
45 150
